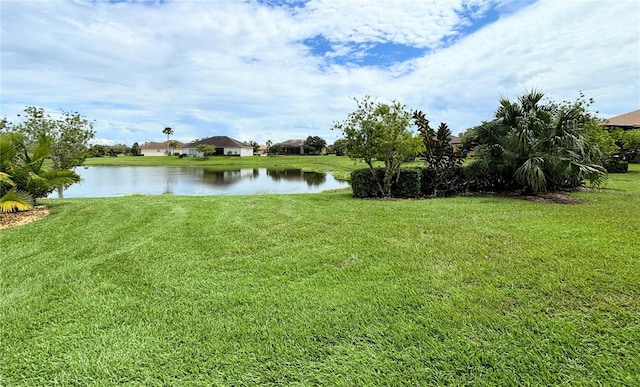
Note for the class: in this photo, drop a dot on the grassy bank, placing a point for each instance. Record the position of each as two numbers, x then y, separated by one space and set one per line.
339 167
325 289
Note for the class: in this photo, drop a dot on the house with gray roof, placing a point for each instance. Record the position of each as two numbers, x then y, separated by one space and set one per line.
224 146
292 147
625 121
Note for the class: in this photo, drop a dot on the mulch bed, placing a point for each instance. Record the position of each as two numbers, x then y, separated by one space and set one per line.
13 219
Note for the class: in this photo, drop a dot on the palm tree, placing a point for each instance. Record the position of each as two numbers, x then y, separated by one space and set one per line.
168 131
537 146
22 173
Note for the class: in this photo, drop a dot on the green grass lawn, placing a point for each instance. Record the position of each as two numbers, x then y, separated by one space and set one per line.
325 289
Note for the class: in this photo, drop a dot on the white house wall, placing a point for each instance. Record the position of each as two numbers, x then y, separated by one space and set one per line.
234 151
153 152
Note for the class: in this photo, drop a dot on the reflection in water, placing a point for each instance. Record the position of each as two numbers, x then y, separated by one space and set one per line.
119 181
311 178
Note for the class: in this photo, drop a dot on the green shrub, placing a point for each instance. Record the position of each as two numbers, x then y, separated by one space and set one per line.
408 184
615 165
364 185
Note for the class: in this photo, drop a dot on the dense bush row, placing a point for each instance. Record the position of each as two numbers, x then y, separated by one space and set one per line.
410 183
419 182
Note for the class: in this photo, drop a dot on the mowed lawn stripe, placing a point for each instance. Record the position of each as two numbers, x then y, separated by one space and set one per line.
324 289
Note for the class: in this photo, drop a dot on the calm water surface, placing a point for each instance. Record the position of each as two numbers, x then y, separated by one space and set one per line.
119 181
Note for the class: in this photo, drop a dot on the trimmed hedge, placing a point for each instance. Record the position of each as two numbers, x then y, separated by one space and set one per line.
364 185
408 184
616 166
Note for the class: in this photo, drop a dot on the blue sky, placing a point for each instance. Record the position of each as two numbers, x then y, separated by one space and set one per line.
276 70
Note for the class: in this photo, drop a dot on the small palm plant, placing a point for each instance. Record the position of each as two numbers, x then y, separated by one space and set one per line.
11 199
23 176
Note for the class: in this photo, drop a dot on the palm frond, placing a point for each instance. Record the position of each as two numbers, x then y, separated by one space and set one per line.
60 177
15 200
531 173
5 178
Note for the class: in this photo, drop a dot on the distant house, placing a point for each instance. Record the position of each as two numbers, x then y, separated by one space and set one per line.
223 145
292 147
456 143
159 148
625 121
262 150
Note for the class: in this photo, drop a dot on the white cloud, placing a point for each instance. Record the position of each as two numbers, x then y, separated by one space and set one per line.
240 68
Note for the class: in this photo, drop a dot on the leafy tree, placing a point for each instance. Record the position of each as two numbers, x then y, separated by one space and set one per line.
314 145
537 145
379 131
96 150
602 142
628 142
339 147
135 149
120 149
70 135
168 131
275 149
206 150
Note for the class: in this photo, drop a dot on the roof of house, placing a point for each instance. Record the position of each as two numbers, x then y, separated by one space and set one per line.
630 120
292 143
219 141
159 145
455 140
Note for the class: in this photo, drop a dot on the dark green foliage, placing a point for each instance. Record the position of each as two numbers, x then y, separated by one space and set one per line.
406 185
275 149
537 145
615 165
97 150
364 184
441 175
339 147
478 179
628 142
314 145
135 149
445 181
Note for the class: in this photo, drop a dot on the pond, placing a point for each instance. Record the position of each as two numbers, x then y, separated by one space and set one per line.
102 181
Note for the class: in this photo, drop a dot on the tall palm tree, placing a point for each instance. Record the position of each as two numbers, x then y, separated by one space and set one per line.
537 145
168 131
